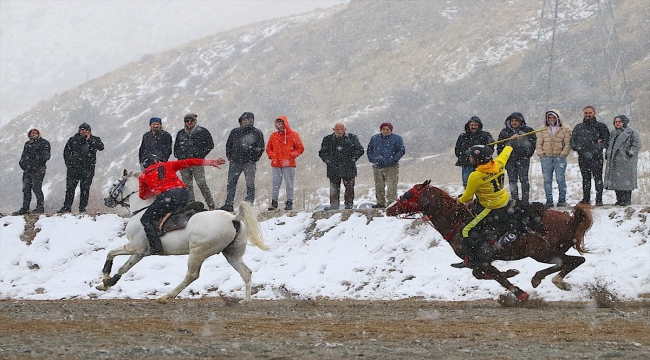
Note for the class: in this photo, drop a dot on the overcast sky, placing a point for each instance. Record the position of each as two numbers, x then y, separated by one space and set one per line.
48 47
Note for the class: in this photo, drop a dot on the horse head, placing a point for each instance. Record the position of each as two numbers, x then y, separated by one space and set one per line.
128 184
409 203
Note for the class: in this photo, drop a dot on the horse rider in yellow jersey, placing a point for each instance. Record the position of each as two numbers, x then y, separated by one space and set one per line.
486 182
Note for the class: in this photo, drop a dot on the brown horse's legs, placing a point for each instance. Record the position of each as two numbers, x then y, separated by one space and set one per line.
501 278
567 264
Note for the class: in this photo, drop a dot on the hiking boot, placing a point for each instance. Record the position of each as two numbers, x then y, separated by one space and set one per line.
82 210
549 204
585 202
227 208
22 211
274 205
461 265
211 207
38 210
599 203
379 206
561 204
63 210
348 207
287 205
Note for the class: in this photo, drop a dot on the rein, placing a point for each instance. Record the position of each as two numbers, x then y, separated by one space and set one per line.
412 203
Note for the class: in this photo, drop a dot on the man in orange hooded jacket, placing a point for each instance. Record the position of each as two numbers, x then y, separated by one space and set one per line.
283 147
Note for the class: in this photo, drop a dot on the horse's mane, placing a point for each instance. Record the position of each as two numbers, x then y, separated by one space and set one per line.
450 201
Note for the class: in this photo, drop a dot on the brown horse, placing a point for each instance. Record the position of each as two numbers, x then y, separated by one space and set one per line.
558 232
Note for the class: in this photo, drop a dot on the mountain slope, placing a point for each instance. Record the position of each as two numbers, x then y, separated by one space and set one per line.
426 66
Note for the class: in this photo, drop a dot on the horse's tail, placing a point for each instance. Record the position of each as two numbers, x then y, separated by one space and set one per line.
582 219
247 214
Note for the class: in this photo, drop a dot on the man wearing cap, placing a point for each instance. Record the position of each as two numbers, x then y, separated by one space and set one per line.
36 153
473 135
384 152
194 142
340 152
80 156
156 141
244 148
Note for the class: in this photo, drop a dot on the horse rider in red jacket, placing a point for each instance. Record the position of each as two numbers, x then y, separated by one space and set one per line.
159 179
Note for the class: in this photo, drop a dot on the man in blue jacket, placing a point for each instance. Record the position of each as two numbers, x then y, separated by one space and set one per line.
384 152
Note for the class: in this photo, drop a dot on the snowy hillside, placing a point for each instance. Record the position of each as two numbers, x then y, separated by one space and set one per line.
351 255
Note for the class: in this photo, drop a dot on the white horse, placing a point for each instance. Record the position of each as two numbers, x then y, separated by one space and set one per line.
207 233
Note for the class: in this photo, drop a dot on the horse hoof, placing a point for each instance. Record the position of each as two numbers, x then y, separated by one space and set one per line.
162 300
100 287
244 302
523 296
536 282
511 273
561 284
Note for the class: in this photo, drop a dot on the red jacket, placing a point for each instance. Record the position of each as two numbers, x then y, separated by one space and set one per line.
284 147
160 177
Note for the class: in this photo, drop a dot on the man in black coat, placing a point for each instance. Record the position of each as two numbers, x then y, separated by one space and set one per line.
194 142
473 135
80 156
36 153
244 148
523 148
340 152
589 139
156 141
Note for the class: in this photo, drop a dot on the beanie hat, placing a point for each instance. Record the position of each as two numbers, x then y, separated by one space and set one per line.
190 116
386 124
84 126
155 119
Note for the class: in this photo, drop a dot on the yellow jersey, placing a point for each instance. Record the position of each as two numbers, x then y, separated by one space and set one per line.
487 183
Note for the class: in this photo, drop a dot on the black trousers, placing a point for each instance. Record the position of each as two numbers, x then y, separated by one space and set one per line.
591 166
169 201
518 171
33 181
82 177
335 192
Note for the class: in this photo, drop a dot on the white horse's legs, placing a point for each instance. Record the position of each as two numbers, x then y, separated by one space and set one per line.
194 263
234 253
107 280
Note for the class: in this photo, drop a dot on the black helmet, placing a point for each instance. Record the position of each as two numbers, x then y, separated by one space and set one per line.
150 160
481 153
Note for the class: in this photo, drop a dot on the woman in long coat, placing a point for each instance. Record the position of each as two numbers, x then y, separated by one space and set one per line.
622 156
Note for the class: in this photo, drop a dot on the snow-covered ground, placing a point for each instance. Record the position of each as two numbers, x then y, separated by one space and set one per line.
359 257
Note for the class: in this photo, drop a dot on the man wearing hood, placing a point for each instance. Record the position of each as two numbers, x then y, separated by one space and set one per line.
36 153
80 156
155 141
194 142
622 156
473 135
553 146
523 148
283 148
589 139
244 148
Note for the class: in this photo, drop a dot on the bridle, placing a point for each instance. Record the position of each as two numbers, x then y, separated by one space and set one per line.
408 205
115 192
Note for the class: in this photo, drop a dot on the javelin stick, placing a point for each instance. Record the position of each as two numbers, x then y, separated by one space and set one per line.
524 134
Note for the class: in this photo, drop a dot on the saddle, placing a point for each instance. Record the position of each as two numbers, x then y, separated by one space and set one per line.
179 219
522 217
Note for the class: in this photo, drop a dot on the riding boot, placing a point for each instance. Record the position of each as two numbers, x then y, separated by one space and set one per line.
155 245
471 257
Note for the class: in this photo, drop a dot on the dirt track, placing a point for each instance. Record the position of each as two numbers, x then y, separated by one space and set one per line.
289 329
